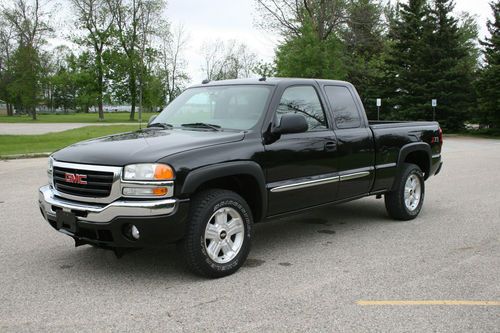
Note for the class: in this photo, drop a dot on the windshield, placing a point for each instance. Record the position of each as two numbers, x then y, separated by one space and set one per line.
229 107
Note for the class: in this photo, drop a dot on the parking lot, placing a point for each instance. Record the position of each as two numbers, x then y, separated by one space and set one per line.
324 271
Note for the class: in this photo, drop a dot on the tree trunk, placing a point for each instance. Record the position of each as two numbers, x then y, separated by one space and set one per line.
33 112
100 85
10 111
133 93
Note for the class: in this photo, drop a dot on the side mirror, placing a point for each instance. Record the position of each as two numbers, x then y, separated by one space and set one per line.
151 119
291 123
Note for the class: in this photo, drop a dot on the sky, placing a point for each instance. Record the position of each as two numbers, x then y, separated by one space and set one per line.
209 20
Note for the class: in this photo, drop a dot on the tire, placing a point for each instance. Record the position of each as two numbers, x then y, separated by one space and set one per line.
218 234
405 201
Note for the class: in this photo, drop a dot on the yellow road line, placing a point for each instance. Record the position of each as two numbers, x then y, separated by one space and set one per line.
428 302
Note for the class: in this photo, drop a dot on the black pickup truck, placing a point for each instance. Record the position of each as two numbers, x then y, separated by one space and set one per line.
225 155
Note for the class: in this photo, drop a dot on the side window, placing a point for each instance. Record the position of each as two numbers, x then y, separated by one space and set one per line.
345 111
305 101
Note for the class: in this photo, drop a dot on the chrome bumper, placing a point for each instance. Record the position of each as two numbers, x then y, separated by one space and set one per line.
102 213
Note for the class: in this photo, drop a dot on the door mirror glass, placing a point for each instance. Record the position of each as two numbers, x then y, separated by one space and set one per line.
291 123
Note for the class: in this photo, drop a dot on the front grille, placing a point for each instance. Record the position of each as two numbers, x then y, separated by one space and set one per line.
98 183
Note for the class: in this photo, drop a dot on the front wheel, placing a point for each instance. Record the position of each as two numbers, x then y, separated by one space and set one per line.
406 200
217 242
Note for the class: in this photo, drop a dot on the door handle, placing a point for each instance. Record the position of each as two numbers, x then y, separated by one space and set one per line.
330 146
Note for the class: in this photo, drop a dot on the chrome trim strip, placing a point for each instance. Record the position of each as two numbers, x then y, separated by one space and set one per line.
304 184
90 167
99 213
387 165
154 183
436 156
354 175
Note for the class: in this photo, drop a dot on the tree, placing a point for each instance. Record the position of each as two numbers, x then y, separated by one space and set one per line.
6 48
264 69
227 60
488 86
60 79
172 67
83 70
311 45
135 21
431 56
405 92
364 51
30 27
96 19
307 56
450 74
25 85
288 17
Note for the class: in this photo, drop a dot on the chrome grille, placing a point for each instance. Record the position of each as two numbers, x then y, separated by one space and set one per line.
98 184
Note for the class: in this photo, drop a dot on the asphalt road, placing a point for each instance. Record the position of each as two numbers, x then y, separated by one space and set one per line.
306 273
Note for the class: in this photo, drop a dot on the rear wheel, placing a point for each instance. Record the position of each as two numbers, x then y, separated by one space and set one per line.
406 200
219 233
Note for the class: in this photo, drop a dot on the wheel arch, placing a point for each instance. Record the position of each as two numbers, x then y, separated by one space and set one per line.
418 153
243 177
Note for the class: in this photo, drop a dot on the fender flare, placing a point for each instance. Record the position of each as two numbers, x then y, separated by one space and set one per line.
413 147
199 176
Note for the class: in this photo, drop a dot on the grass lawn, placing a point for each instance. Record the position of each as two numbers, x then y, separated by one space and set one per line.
27 144
116 117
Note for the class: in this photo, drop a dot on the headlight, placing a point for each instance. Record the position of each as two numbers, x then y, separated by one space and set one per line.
148 172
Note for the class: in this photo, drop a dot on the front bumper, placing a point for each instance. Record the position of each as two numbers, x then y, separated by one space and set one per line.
159 221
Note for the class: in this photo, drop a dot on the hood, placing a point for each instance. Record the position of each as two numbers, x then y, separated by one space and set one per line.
148 145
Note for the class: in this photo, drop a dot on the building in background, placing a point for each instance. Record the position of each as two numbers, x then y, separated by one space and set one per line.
3 108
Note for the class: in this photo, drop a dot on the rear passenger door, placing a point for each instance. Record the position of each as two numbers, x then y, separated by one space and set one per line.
355 146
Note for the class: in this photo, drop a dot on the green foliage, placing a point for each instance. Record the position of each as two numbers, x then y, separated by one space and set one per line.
430 57
449 74
365 50
488 85
307 56
112 117
264 69
25 69
26 144
403 81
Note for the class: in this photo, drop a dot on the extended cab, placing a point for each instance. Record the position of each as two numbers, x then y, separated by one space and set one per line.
225 155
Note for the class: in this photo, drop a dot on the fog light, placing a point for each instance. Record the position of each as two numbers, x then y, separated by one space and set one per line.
134 232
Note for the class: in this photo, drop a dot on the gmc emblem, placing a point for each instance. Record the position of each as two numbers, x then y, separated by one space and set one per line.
75 178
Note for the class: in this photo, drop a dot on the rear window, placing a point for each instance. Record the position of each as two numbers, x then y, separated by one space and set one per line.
345 111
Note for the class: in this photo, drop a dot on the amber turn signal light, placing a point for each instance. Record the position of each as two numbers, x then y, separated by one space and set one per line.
163 172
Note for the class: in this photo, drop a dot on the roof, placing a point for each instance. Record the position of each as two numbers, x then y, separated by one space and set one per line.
273 81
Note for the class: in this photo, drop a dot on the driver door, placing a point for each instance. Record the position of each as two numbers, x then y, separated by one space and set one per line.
301 168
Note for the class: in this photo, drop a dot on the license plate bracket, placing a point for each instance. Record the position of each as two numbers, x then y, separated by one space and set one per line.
66 220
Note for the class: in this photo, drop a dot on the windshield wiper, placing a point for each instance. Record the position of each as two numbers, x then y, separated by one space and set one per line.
162 125
202 125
